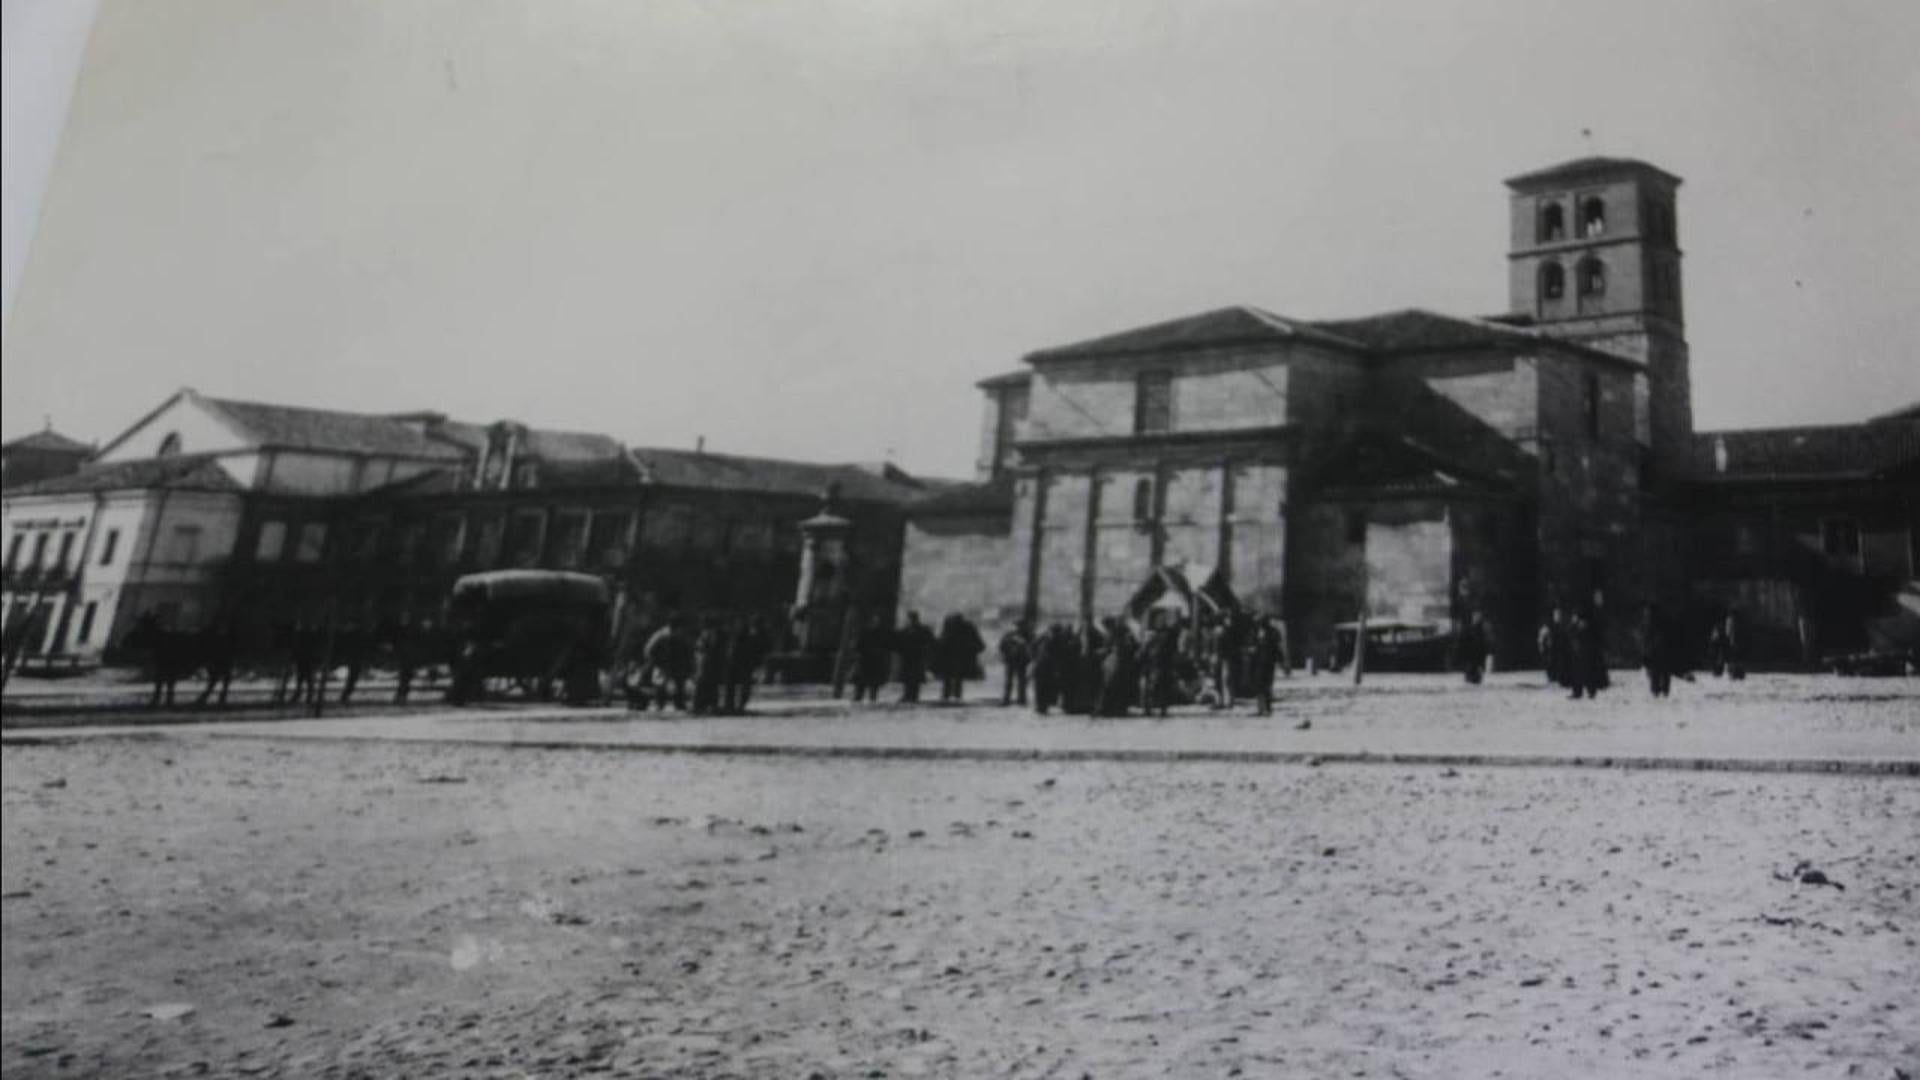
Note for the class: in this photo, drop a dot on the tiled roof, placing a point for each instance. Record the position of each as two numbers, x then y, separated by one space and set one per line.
185 473
1416 330
48 440
1241 325
728 472
992 497
1587 166
296 428
1840 450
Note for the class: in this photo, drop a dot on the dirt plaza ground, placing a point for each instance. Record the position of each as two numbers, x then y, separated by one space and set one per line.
431 900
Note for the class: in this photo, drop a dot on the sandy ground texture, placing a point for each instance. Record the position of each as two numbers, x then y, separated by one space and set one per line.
187 907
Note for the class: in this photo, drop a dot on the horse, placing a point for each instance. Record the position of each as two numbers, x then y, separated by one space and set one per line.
173 655
296 658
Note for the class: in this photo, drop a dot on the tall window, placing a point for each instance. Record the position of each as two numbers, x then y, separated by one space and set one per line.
39 551
1153 402
13 550
1593 277
86 622
1591 402
1593 217
313 542
1553 223
1553 281
66 549
272 543
569 543
1143 500
111 545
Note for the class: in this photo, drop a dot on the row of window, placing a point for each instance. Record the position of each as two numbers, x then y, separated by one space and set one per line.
567 539
1552 225
108 548
1590 277
1656 221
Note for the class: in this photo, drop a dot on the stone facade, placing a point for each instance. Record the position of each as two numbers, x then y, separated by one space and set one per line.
1408 466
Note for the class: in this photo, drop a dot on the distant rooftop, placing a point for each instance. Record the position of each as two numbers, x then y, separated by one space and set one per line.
187 472
1580 168
48 440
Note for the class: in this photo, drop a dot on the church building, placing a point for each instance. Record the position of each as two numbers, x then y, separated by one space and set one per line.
1409 467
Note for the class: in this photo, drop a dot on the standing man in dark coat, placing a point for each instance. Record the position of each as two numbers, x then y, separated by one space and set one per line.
1089 654
1590 654
956 656
1120 683
1656 648
1262 661
1231 658
745 652
1159 669
1016 653
1471 648
709 667
913 644
873 654
1049 662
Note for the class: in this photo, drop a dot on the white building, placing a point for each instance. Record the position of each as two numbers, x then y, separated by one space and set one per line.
151 521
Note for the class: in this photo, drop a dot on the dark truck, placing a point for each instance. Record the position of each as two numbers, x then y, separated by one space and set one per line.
532 629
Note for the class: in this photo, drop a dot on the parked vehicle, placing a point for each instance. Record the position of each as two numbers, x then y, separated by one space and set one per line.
529 629
1395 646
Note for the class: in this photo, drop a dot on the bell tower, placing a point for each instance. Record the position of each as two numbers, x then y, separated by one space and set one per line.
1595 258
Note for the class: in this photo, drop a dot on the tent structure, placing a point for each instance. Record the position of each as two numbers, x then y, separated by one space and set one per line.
1189 591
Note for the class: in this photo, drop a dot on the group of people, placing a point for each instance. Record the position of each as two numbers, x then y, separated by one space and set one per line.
912 651
1104 668
1573 649
716 658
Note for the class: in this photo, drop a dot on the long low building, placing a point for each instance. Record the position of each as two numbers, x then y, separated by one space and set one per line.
209 511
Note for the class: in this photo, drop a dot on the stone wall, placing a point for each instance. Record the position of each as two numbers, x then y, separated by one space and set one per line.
961 562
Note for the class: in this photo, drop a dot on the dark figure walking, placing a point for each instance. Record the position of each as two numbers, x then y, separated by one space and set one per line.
709 667
1160 660
913 644
873 654
956 656
1589 655
1051 662
745 653
1119 678
1016 653
1471 649
1089 658
1229 673
1657 645
1262 661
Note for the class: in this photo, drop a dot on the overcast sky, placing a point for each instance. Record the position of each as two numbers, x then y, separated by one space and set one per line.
805 229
